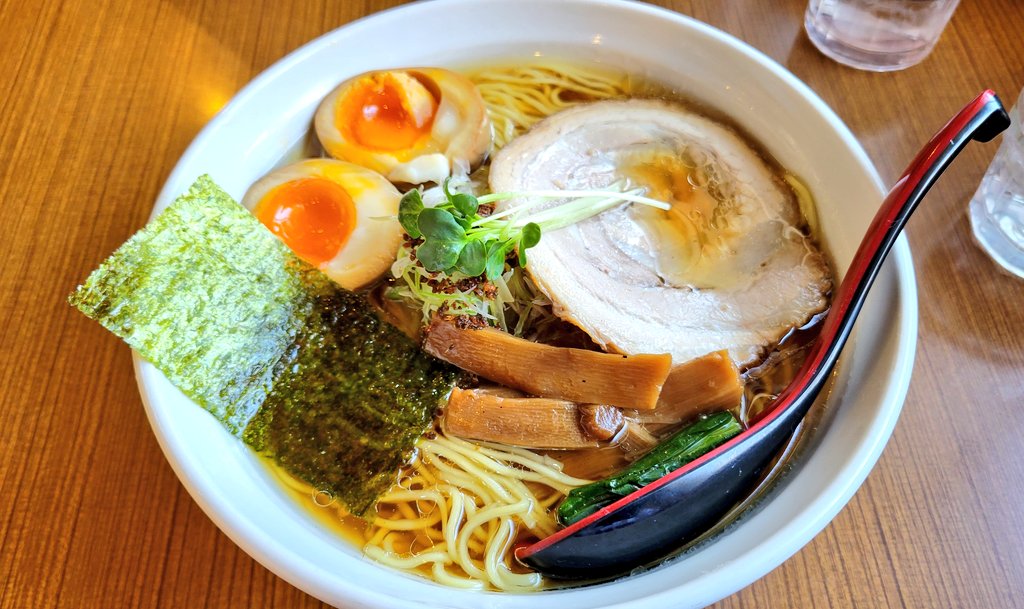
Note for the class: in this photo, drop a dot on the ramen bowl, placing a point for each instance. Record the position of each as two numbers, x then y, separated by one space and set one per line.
272 117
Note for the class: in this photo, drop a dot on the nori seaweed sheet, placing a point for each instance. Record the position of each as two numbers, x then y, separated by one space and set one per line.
299 368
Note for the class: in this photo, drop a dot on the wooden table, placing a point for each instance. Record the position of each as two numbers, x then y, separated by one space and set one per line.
99 98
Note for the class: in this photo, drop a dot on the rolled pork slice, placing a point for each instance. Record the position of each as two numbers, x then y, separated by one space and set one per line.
730 266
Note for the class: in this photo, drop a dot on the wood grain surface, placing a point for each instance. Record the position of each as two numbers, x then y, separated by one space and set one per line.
99 98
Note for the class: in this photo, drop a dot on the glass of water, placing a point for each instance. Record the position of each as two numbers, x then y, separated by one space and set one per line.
997 209
878 35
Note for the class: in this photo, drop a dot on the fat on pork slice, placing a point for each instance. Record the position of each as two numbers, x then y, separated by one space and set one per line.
730 266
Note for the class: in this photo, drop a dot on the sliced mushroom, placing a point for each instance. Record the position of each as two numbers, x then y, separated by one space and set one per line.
635 440
600 422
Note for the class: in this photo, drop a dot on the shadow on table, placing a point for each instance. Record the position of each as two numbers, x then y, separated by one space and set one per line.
966 300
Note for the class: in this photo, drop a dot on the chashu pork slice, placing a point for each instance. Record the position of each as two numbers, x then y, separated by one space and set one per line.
728 267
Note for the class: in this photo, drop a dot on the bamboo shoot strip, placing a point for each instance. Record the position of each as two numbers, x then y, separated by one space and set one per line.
513 418
707 384
575 375
299 368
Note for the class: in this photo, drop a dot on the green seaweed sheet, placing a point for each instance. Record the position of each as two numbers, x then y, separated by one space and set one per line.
299 368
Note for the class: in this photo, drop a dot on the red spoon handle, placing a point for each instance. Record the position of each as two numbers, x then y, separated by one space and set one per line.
683 504
982 119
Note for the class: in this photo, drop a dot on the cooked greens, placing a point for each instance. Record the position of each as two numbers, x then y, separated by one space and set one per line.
454 240
299 368
678 450
457 238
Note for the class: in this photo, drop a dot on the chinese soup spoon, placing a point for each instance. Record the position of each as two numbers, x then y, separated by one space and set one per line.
685 503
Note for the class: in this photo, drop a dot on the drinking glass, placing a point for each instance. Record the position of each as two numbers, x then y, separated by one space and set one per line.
878 35
997 208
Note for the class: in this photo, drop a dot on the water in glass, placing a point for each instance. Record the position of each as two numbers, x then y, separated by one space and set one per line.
879 35
997 209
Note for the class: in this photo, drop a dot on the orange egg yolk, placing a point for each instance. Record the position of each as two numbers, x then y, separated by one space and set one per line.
387 112
313 216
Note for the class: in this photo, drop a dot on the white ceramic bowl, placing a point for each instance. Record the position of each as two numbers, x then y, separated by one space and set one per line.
274 112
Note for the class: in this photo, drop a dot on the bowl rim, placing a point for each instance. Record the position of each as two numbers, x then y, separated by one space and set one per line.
788 539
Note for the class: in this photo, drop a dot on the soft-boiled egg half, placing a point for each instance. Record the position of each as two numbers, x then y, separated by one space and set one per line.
337 216
413 125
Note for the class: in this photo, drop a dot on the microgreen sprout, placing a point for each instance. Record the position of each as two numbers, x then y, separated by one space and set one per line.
456 238
460 260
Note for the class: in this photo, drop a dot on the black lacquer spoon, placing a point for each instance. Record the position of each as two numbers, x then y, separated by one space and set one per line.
683 504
